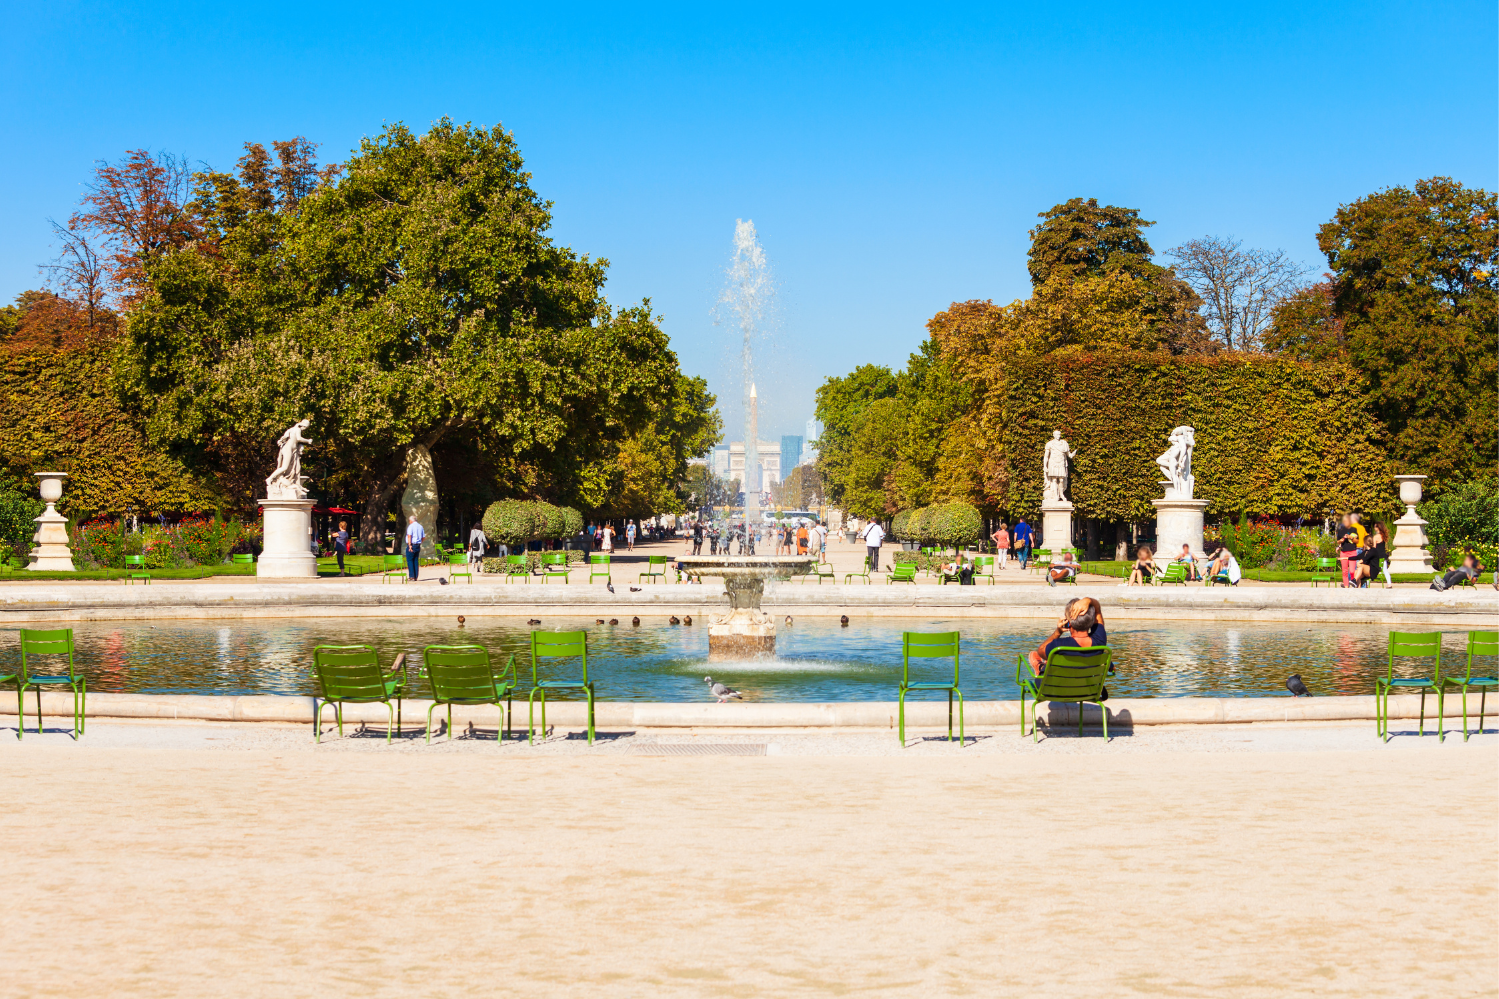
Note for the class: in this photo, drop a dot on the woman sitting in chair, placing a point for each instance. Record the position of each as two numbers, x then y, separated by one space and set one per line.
1074 631
1143 569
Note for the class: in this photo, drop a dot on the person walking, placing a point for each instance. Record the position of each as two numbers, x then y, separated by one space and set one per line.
697 537
1023 537
414 538
341 545
820 540
874 537
606 538
1001 544
478 544
630 536
802 537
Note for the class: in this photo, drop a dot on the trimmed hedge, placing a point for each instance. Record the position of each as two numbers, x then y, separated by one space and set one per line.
515 522
499 566
951 525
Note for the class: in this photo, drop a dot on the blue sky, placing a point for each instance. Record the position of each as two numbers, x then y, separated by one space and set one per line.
892 159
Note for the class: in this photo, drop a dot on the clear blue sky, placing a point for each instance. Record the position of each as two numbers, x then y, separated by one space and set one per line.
892 159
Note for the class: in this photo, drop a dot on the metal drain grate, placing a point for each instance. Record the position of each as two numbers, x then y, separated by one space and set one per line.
698 749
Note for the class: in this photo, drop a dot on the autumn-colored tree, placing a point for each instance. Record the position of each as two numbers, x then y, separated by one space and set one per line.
1307 326
1078 237
136 211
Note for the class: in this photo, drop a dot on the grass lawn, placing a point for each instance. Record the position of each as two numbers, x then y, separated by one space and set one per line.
191 572
1122 569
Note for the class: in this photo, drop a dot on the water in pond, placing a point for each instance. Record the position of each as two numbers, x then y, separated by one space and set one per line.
817 660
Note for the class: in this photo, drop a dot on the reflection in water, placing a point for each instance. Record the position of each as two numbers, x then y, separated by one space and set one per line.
658 662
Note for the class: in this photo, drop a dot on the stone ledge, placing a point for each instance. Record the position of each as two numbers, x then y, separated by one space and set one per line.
614 715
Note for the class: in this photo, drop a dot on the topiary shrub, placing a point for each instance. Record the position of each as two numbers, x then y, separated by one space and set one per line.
509 523
900 526
572 522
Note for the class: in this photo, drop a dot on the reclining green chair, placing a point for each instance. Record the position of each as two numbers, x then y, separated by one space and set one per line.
463 675
58 642
557 645
901 572
351 674
938 645
1410 645
1072 676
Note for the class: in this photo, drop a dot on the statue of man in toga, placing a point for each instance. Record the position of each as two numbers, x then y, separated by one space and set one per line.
1054 467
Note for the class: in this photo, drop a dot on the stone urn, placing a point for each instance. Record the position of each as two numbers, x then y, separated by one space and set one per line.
746 632
51 538
1408 552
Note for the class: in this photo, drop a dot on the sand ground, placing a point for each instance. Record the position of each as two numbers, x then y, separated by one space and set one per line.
219 860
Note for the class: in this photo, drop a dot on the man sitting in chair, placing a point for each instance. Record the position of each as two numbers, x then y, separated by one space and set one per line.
1074 631
1186 559
1224 568
1060 572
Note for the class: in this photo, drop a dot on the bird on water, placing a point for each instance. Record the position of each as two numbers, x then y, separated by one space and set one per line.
720 691
1296 687
843 620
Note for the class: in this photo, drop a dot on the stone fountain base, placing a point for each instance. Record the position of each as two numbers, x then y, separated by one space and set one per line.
746 632
742 635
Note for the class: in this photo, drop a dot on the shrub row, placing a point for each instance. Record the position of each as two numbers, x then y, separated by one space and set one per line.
951 525
515 522
499 566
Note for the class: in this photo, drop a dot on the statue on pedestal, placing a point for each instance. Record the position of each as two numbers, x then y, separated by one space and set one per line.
287 481
1176 464
1054 467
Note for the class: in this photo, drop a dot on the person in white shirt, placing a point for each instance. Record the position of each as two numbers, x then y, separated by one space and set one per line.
414 538
874 536
478 544
820 541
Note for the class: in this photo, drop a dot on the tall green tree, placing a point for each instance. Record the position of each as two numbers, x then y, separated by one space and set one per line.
416 300
1416 290
1079 237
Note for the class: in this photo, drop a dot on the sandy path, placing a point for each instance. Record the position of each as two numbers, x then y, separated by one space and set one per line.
271 872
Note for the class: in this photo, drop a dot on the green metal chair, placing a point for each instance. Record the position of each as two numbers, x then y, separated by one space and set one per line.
1040 559
983 566
135 568
553 565
822 570
594 563
557 645
860 574
1173 573
901 572
516 565
1480 643
1410 645
456 559
351 674
1325 572
245 559
939 645
392 563
1072 676
57 642
1071 579
463 674
655 569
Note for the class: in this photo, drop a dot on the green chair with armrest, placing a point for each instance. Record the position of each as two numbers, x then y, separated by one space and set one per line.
1071 676
351 674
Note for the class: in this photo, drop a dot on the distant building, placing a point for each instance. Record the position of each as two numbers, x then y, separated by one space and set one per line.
770 463
791 452
720 461
808 455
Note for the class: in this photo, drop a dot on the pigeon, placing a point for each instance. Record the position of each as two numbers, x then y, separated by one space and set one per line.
442 581
1296 687
533 621
610 585
788 620
843 620
599 621
635 621
720 691
687 620
634 589
460 620
674 620
614 620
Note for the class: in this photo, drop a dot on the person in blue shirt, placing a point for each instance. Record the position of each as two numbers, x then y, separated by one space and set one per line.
1022 535
414 538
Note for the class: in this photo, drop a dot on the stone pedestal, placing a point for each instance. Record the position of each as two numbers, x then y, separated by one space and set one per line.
287 547
51 538
1178 522
1056 525
1408 548
746 632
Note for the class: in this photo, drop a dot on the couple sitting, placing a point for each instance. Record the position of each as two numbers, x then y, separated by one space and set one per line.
1081 627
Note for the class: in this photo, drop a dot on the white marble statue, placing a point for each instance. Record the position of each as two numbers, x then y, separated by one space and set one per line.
1176 464
1054 467
287 481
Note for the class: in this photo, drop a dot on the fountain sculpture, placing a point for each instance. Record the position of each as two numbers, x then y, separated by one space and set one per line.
746 631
